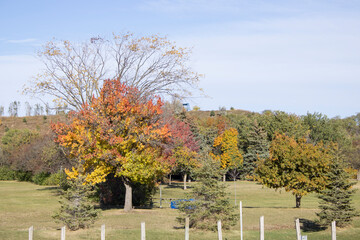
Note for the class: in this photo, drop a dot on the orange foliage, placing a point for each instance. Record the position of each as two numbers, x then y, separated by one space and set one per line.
119 132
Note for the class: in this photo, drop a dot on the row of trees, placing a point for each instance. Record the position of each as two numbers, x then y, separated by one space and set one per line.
14 109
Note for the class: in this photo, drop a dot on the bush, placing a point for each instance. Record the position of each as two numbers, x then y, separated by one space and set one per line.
40 178
59 179
24 176
7 174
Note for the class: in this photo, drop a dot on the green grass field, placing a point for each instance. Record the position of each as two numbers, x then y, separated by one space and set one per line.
24 204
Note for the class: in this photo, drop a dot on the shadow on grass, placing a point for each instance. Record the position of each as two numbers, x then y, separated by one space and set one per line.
177 185
271 207
48 188
120 207
310 226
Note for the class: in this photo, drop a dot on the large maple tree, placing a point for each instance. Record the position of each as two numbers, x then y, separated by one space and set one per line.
296 165
120 133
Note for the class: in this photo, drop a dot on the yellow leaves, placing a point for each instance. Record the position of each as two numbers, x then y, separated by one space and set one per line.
134 47
74 173
297 166
226 146
99 174
143 167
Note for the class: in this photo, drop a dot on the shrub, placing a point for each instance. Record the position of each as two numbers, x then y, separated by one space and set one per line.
24 176
40 178
59 179
196 108
6 173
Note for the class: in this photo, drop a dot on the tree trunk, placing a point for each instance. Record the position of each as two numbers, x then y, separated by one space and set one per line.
298 200
224 177
170 179
185 176
235 189
128 196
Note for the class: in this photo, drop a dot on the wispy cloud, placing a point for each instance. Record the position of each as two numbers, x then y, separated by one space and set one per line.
27 40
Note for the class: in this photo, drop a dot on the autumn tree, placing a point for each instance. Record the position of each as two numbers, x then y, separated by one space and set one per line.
296 166
119 133
29 151
226 150
11 143
182 148
207 129
74 72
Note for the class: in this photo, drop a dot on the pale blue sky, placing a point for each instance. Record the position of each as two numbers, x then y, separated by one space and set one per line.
295 56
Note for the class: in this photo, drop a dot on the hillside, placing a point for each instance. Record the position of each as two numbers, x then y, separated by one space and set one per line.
39 123
42 123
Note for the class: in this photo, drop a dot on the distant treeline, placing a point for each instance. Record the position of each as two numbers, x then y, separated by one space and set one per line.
34 152
37 109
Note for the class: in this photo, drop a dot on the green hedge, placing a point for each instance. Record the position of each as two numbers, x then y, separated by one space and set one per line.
7 174
43 178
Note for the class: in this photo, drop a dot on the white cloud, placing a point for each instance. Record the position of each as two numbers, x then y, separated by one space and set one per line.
27 40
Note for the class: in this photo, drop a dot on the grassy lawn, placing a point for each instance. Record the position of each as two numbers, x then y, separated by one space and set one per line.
24 204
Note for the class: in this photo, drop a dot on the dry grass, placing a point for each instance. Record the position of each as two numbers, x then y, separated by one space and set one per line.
38 123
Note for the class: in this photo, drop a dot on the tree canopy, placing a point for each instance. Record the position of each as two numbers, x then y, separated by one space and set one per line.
226 150
119 133
295 165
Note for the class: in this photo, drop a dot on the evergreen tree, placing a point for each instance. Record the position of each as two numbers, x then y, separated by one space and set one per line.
210 200
258 147
335 201
76 209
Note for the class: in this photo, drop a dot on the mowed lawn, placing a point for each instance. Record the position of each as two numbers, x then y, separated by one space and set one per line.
24 204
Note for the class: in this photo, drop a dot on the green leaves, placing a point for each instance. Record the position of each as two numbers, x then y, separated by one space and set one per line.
297 166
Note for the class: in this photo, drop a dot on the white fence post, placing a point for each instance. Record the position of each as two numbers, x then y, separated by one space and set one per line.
297 226
31 232
103 232
63 233
160 197
142 230
241 223
262 237
333 230
187 228
219 229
